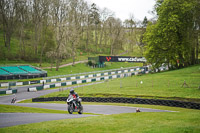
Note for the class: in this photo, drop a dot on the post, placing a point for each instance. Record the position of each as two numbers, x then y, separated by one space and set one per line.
152 83
9 86
121 78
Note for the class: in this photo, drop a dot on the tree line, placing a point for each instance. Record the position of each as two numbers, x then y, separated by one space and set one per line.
54 30
59 29
174 38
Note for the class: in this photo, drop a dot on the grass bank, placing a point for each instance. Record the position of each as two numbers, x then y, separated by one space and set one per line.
164 85
82 67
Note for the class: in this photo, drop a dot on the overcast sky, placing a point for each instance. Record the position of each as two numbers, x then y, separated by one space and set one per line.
123 8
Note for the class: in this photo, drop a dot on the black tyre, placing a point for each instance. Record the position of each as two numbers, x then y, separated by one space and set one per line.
13 101
70 109
80 110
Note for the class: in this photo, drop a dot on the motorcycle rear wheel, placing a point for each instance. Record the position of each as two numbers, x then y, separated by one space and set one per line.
80 110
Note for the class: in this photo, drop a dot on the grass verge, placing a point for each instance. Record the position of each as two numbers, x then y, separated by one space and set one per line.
19 109
82 67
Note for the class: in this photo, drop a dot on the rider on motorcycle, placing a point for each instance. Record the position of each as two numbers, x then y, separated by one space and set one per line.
75 96
14 99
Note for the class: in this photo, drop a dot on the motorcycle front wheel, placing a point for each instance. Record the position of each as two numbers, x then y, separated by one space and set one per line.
70 109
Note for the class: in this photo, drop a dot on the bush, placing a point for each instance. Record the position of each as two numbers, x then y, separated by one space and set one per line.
90 63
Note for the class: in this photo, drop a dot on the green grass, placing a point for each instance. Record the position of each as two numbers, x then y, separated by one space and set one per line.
30 101
165 85
82 67
19 109
36 64
183 121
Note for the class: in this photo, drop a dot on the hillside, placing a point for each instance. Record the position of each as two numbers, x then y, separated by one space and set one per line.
164 85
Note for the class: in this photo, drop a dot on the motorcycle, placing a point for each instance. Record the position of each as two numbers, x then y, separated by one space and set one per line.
74 105
13 100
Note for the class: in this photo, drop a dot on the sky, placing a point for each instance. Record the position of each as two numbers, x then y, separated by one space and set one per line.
123 8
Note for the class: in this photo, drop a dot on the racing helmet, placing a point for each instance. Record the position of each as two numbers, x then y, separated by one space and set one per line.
72 91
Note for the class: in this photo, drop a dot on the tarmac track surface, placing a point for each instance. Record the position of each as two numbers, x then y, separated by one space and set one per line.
96 109
23 94
13 119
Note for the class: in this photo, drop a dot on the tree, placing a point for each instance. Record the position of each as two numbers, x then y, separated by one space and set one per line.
115 33
144 22
37 12
9 19
95 19
171 39
153 50
132 32
197 27
104 15
23 14
46 35
141 43
52 56
74 27
60 28
58 14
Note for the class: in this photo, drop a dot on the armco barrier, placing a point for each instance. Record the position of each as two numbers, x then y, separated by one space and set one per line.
171 103
8 91
80 81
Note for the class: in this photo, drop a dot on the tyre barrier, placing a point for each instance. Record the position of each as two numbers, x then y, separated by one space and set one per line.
172 103
33 89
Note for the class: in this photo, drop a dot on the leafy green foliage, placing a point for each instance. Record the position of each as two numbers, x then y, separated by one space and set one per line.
171 39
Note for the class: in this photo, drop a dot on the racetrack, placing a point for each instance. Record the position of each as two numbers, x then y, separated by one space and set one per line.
23 94
11 119
96 109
